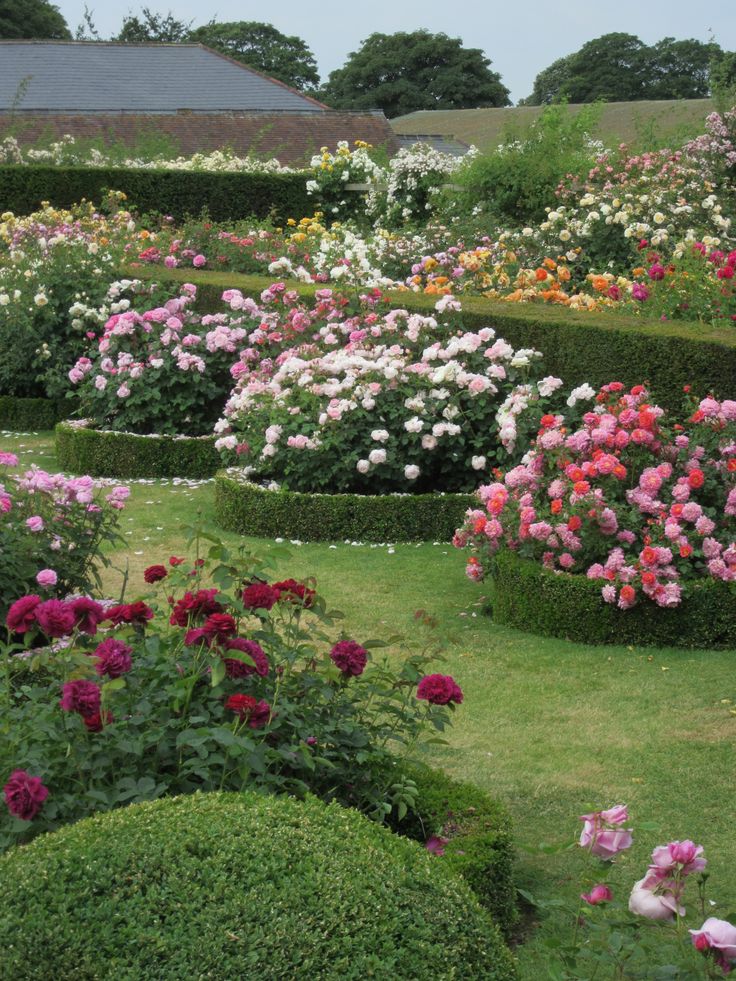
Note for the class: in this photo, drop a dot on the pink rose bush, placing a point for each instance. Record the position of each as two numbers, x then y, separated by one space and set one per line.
52 530
383 402
624 495
200 688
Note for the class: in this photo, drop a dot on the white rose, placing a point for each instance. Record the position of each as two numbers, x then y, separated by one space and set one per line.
379 435
362 466
411 472
377 456
478 462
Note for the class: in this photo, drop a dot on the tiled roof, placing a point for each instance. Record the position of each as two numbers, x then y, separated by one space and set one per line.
445 144
290 137
97 76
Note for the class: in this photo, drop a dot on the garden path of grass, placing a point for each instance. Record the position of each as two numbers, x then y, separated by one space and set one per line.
551 728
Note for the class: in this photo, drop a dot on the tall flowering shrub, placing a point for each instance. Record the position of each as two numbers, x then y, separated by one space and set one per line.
623 495
380 403
52 530
227 686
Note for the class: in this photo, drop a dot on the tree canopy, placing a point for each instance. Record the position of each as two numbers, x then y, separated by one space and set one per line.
621 68
150 28
34 19
263 47
403 72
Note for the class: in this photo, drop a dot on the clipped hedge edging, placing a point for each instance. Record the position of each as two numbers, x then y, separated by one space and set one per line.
239 885
125 455
179 193
526 595
480 846
579 347
248 509
22 414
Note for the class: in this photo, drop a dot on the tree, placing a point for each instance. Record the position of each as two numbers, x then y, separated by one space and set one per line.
612 67
403 72
680 69
152 28
549 85
34 19
723 74
263 47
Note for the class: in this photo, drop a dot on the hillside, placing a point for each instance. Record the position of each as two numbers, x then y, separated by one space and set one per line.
648 123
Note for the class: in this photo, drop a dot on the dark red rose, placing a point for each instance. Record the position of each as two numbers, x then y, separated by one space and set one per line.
96 723
291 591
81 696
219 626
113 658
87 614
259 596
22 616
193 606
197 635
261 715
236 668
439 689
175 561
24 795
155 573
349 657
137 613
241 705
55 618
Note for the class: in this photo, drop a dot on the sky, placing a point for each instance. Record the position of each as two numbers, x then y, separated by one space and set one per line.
520 38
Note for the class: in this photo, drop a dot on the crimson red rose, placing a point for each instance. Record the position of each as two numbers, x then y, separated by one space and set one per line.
24 795
350 657
197 635
22 614
219 626
55 618
193 606
81 696
259 596
174 560
113 658
439 689
96 722
155 573
137 613
236 668
241 705
87 614
291 591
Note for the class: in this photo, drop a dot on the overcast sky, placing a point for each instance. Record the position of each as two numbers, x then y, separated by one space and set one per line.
520 38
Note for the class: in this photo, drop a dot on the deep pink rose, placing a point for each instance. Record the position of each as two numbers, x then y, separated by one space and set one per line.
22 614
600 834
24 795
55 618
81 696
261 715
435 844
439 689
236 668
113 658
678 857
349 657
87 614
260 596
597 895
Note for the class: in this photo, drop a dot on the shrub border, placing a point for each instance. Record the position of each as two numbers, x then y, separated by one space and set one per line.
21 414
249 509
525 595
99 453
479 831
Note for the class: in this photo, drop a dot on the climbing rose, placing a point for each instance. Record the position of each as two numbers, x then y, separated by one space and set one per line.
24 795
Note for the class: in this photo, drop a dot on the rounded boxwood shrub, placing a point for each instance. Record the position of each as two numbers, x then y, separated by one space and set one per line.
250 509
239 886
21 414
125 455
560 604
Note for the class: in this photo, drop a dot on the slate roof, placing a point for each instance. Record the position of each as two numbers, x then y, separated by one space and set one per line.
95 76
445 144
290 137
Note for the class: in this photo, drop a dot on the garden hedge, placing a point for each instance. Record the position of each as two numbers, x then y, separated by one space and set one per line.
249 509
239 886
21 414
108 454
525 595
577 346
480 845
179 193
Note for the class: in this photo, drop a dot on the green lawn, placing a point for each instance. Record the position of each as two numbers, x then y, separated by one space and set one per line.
551 728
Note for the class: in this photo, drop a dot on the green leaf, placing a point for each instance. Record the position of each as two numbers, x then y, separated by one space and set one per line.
218 673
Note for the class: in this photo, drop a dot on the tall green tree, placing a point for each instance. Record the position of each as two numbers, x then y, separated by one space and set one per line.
33 19
149 28
550 83
403 72
263 47
680 69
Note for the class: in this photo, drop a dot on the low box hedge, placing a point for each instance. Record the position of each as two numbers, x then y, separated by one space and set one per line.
179 193
478 828
239 886
249 509
523 594
577 346
108 454
21 414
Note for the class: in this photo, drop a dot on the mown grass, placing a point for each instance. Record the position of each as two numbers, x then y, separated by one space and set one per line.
549 727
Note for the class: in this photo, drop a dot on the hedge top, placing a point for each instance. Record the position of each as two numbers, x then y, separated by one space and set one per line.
247 886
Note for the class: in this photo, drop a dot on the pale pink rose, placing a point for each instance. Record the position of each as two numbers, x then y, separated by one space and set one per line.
601 835
35 523
654 906
597 895
678 856
47 577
